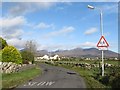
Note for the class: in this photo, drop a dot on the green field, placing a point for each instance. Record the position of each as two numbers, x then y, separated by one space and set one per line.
14 79
113 62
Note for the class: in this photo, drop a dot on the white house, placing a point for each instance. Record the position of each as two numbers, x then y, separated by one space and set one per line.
45 57
55 57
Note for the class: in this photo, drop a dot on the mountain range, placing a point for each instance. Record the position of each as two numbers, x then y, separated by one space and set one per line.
78 52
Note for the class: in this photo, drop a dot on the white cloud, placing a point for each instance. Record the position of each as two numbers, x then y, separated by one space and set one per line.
12 22
56 46
44 26
90 31
109 8
53 47
11 27
26 7
63 31
106 34
88 44
9 34
16 42
61 1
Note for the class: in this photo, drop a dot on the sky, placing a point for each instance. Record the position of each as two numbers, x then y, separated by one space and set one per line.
59 25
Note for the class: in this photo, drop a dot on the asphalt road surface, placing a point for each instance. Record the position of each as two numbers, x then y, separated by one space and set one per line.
55 77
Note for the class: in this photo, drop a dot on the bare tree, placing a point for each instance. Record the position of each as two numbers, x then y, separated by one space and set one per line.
31 46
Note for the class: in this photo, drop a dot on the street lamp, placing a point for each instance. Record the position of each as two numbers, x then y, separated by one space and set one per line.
101 29
91 7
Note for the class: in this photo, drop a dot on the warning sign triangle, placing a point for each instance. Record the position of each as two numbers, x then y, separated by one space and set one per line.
102 42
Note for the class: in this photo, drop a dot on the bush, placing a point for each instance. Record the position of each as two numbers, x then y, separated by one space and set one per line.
116 81
105 80
3 43
27 57
11 54
0 55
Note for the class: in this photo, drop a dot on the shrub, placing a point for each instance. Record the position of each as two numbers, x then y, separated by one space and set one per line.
11 54
105 80
116 81
27 57
3 43
0 55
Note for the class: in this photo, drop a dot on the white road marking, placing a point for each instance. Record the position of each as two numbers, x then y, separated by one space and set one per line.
43 83
39 83
49 83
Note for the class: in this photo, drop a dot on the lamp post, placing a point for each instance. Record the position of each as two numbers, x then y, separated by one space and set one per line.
101 29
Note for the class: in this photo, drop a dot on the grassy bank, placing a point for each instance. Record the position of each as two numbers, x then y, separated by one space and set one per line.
93 77
15 79
87 75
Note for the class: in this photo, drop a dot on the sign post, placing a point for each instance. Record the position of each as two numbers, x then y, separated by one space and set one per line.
102 45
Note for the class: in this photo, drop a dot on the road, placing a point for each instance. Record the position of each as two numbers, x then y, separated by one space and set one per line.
55 77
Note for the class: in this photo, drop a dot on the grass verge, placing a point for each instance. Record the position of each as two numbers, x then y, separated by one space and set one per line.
86 74
14 79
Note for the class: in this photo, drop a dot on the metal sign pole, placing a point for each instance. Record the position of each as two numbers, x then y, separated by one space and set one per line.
101 27
102 62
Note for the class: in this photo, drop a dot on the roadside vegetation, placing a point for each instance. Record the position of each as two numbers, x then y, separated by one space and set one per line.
93 76
14 79
12 54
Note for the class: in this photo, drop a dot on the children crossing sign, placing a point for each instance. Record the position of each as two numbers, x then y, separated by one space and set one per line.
102 44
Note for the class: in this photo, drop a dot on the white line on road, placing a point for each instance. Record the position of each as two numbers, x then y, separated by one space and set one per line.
48 83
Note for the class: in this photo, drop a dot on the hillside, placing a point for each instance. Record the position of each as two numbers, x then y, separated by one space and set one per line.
79 52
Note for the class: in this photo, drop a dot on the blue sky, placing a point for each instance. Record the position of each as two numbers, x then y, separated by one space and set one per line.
55 25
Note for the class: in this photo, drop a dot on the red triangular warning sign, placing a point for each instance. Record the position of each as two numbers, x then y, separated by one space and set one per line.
102 42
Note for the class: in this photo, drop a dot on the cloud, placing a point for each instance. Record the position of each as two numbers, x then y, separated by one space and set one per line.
17 43
90 31
63 31
61 1
27 7
44 26
11 27
12 22
56 46
53 47
20 8
88 44
109 8
106 34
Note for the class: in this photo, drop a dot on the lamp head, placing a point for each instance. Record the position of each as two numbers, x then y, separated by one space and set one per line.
91 7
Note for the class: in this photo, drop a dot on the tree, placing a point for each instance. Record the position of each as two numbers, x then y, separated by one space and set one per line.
30 46
11 54
27 57
0 55
3 43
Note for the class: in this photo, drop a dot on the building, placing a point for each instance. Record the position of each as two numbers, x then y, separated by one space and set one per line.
46 57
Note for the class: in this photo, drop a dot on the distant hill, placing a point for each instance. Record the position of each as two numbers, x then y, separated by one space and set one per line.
79 52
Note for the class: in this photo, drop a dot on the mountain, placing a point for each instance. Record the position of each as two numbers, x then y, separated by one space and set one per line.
79 52
42 53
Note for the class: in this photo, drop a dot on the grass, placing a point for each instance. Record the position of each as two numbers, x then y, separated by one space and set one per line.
113 62
88 77
14 79
88 74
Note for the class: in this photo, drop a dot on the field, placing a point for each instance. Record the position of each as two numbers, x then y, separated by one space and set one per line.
14 79
113 62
